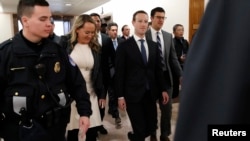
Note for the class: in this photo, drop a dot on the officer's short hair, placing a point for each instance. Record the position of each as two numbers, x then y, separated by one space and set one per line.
26 7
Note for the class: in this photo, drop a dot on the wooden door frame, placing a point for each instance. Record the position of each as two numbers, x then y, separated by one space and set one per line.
196 10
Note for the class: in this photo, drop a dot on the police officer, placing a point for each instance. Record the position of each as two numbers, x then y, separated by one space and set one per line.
38 81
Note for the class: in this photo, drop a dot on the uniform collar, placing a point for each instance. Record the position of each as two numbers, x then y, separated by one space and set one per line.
20 46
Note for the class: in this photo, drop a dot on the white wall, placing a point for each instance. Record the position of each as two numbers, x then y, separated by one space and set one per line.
6 26
177 11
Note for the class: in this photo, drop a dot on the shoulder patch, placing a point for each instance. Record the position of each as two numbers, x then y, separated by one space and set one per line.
72 61
5 43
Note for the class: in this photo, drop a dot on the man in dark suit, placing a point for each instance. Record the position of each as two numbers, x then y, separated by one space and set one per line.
215 88
181 48
109 53
170 63
125 32
139 79
105 43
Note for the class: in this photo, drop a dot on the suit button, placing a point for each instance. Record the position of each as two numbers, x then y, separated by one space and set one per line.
40 77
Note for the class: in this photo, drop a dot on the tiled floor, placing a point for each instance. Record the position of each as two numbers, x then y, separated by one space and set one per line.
121 134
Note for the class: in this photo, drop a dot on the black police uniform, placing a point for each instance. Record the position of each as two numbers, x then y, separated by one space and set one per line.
33 79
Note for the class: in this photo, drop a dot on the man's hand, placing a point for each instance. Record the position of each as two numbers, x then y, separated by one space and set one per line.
122 104
102 103
83 125
165 97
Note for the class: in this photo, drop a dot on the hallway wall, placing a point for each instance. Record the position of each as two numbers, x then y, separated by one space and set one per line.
177 11
6 26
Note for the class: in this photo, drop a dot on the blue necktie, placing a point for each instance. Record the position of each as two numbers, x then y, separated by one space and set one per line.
160 48
143 51
115 44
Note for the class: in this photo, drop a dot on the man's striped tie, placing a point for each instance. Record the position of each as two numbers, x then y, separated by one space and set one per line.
143 51
160 48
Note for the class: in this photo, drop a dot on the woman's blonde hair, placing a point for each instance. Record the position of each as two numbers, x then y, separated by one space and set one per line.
79 23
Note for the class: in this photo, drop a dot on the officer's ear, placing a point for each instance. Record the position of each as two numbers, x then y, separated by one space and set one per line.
25 21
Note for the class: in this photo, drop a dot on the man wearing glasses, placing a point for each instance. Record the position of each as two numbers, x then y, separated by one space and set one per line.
168 55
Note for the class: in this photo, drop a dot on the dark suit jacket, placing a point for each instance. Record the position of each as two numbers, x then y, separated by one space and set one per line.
132 75
171 60
216 77
181 47
108 55
123 37
108 59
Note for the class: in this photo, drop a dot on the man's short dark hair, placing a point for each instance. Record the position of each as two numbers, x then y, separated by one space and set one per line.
104 25
156 9
139 12
95 14
124 27
25 7
111 24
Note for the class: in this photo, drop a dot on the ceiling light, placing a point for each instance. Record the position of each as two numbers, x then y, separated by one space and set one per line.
68 4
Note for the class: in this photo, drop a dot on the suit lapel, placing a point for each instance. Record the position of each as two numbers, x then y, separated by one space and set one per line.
149 35
135 50
150 52
166 46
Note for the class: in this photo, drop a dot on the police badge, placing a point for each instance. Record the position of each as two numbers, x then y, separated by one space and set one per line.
57 67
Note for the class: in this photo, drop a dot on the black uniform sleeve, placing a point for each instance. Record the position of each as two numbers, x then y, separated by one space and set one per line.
3 55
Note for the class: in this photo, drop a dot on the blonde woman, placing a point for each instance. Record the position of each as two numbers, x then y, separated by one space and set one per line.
85 53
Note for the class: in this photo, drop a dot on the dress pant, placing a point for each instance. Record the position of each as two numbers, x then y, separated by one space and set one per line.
113 103
102 112
166 113
143 115
176 83
91 134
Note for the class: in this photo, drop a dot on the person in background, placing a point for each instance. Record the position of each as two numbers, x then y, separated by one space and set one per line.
38 81
170 64
181 44
86 54
125 32
113 105
103 28
181 47
215 89
52 34
139 79
105 42
149 25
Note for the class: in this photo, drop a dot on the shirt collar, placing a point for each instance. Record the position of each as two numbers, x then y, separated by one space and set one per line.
137 38
153 31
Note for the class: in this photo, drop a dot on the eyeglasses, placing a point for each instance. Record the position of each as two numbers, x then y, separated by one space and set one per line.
160 18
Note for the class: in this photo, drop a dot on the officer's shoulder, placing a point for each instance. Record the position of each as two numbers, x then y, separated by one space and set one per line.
6 43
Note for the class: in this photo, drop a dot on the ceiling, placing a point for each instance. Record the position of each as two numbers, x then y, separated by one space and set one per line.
58 7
